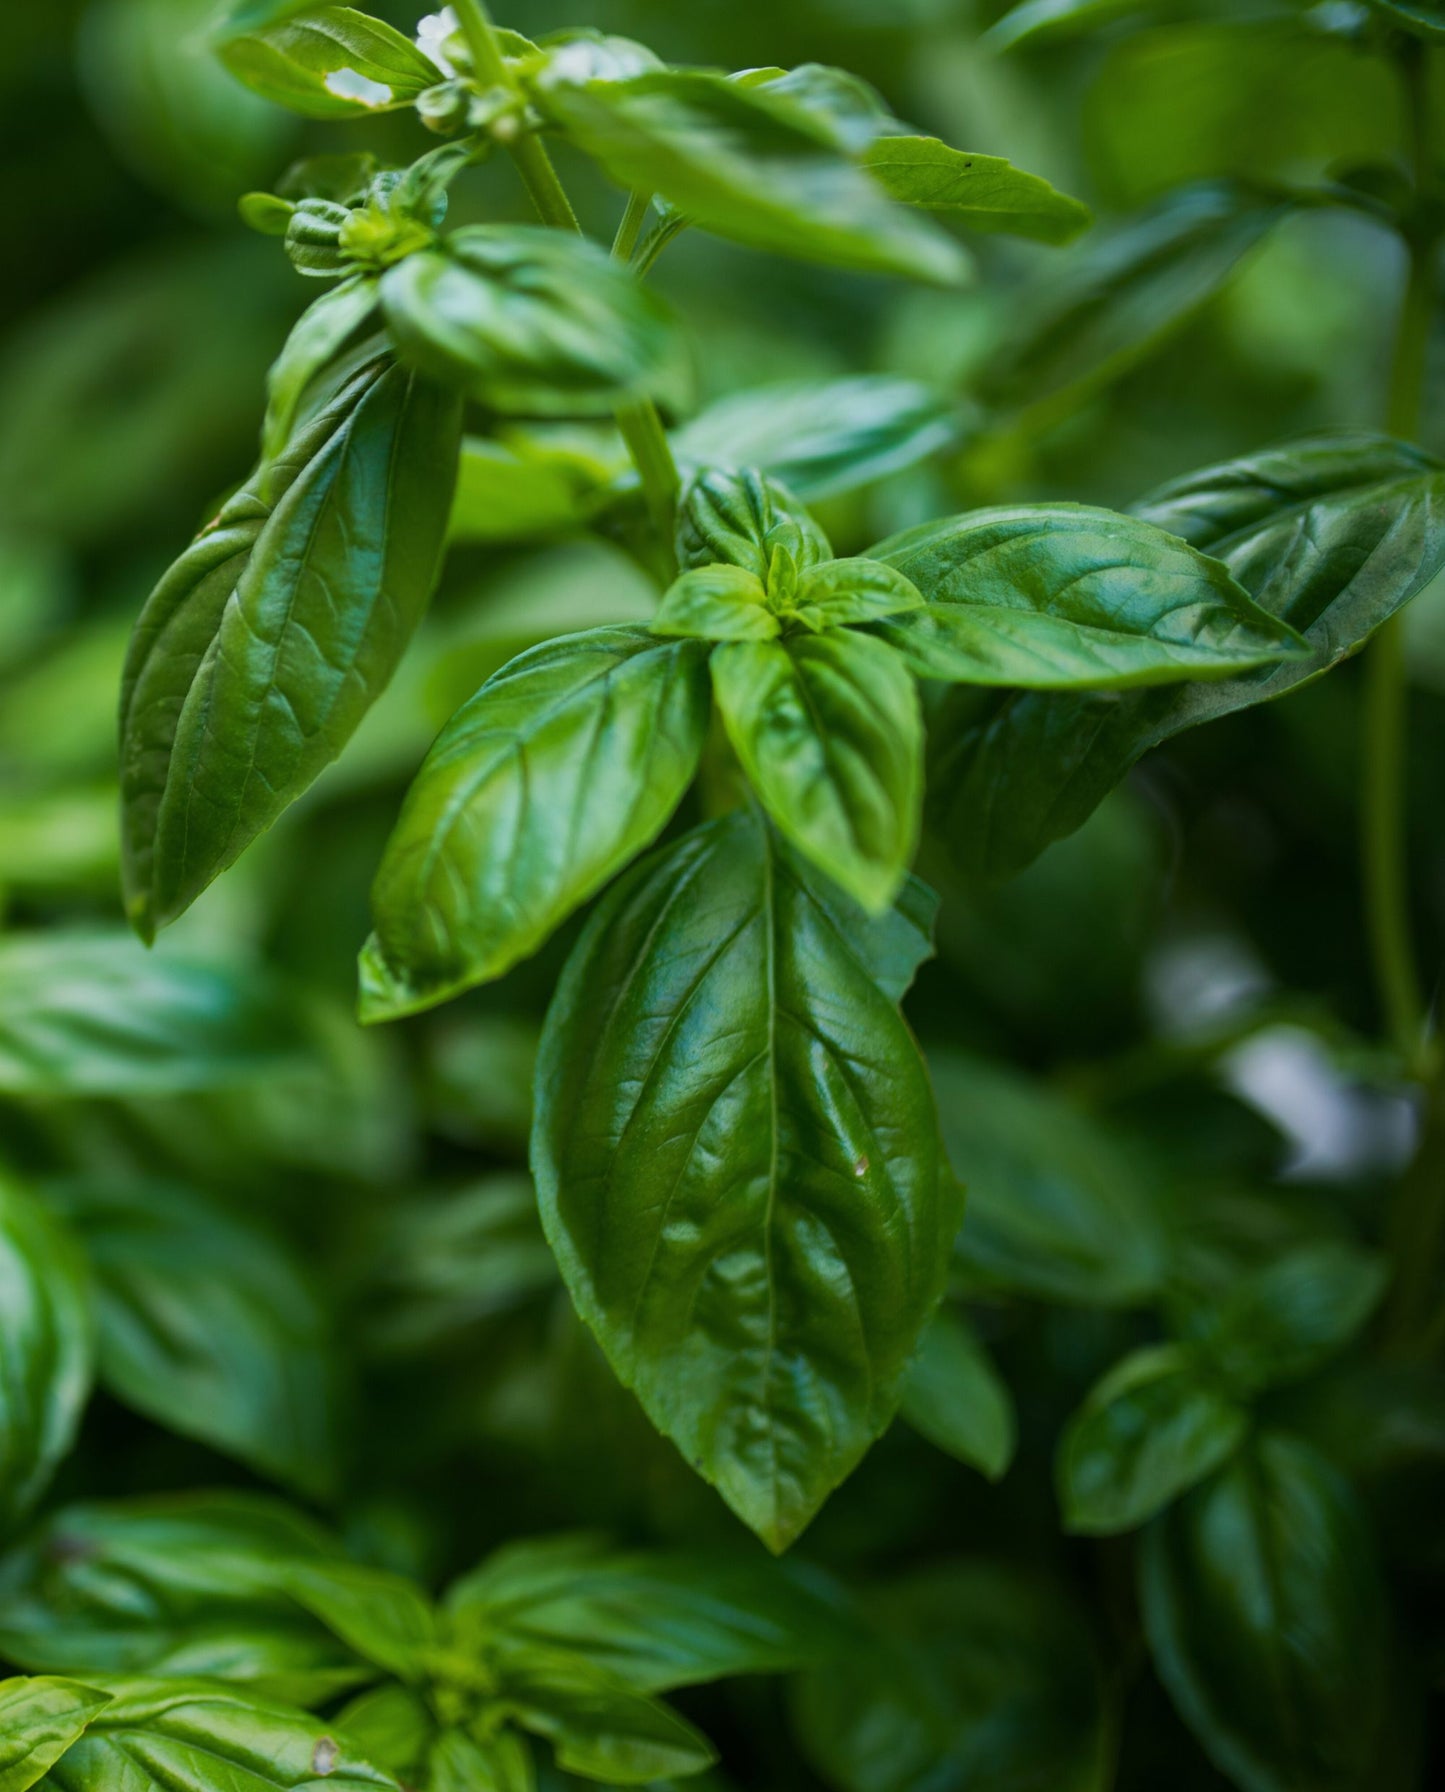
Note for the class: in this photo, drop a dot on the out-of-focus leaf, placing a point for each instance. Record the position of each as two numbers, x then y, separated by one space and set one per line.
1044 21
597 1725
391 1725
1266 1620
208 1324
332 62
986 193
45 1349
1056 1208
524 489
1154 1426
958 1400
1423 18
768 1335
85 1014
501 1762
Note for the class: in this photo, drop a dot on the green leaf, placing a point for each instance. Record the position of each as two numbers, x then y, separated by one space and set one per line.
763 169
736 1163
1039 21
392 1726
531 320
742 519
1056 1209
175 1586
246 15
208 1324
980 1676
1266 1620
525 488
1332 535
843 103
94 1014
331 62
1282 1322
557 773
192 1736
266 643
986 193
383 1617
320 334
654 1620
841 592
39 1719
1422 18
957 1400
501 1762
717 603
1066 596
829 732
1113 300
1155 1425
597 1725
822 437
45 1349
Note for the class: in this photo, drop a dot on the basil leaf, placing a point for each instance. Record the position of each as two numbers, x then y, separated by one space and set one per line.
266 643
457 1762
392 1726
823 437
39 1719
760 168
184 1736
742 519
561 769
208 1325
654 1620
1266 1621
177 1586
986 193
717 603
530 320
330 62
1114 299
90 1014
319 335
829 732
846 591
1040 21
1064 596
1280 1323
525 488
980 1676
852 110
45 1349
957 1400
764 1312
1332 535
381 1616
1154 1426
597 1726
1422 18
1056 1209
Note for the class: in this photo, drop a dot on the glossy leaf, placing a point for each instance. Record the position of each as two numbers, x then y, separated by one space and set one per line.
39 1719
716 603
45 1349
955 1397
557 773
822 437
530 320
1332 535
320 333
763 169
1037 21
1265 1618
981 1676
1056 1208
1120 293
91 1014
829 732
1422 18
191 1736
986 193
178 1586
1281 1322
751 1217
330 62
1155 1425
1067 596
841 592
208 1324
654 1620
266 643
741 519
596 1725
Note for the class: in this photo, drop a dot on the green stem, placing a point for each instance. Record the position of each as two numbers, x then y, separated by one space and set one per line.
1383 821
639 423
630 229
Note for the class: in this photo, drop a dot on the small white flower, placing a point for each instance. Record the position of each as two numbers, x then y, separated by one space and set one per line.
348 84
432 34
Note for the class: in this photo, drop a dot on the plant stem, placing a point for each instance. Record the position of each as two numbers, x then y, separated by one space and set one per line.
639 423
630 229
1383 820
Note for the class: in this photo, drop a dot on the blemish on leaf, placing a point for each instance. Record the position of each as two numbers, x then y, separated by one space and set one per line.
349 84
861 1167
325 1757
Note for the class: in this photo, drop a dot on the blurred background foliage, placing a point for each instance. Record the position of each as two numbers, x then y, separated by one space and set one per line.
1154 1047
